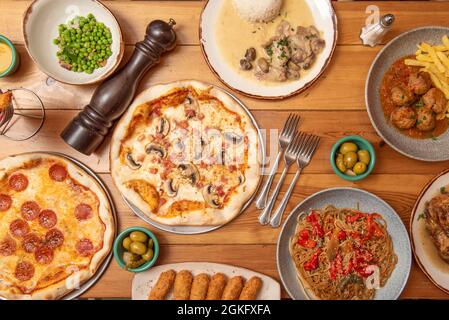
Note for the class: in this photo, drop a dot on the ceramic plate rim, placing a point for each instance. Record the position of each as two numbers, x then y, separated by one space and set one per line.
333 189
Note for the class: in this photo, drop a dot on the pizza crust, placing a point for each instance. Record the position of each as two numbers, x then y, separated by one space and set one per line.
67 285
209 216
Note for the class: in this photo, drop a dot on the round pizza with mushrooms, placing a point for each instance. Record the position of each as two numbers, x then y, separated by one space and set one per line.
56 226
186 153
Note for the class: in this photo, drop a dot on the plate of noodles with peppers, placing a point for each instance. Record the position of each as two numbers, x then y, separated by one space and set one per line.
344 244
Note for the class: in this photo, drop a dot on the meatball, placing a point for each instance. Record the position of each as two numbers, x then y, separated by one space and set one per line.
419 83
435 99
425 119
403 117
401 96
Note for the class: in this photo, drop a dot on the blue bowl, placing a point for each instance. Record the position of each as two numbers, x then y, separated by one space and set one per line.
119 250
362 144
15 58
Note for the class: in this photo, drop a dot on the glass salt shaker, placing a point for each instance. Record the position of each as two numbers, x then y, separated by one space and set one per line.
373 34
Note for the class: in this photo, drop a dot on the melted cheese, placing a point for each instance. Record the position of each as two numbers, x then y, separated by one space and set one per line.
62 198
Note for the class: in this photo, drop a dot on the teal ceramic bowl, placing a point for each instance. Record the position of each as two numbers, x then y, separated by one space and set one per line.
362 144
15 58
119 250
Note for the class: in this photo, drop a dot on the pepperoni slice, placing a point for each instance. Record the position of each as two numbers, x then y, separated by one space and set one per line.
54 238
47 218
7 246
85 247
83 211
43 254
58 172
30 242
30 210
19 228
18 182
24 271
5 202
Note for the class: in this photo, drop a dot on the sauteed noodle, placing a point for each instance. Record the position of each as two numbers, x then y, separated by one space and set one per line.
338 253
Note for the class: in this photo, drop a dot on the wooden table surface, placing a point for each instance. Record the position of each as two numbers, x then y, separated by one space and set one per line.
333 107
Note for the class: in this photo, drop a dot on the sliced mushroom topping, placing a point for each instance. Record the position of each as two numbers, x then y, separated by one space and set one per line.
242 178
162 126
190 171
153 148
171 187
211 197
233 137
133 164
192 107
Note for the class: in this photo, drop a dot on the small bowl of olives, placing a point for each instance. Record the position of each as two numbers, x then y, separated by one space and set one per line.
353 158
136 249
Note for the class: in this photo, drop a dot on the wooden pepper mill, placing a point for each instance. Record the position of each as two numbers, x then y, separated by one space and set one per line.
110 100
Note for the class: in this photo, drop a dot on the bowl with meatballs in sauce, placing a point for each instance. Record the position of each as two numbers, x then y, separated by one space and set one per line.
407 93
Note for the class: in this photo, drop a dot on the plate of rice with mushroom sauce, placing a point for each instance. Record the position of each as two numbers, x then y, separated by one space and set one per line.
268 49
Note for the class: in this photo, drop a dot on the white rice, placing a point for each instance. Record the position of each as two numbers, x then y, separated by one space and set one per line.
258 10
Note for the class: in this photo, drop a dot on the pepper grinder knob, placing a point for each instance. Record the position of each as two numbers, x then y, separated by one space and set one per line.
110 100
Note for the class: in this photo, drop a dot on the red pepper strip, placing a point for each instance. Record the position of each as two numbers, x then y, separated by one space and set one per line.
336 266
373 228
312 264
341 235
350 268
304 239
317 228
362 272
355 217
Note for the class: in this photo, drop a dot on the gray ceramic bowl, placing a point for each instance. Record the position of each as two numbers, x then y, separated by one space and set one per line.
347 198
403 45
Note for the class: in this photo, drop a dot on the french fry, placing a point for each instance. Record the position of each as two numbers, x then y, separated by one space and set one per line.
445 40
425 57
434 57
416 63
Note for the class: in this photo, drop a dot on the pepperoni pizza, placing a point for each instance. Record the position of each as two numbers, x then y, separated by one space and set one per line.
56 226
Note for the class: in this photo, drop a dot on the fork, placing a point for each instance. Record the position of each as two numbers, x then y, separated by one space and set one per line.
290 156
305 155
285 138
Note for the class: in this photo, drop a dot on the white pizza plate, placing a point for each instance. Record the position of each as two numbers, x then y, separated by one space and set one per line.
204 229
325 20
89 283
426 254
143 282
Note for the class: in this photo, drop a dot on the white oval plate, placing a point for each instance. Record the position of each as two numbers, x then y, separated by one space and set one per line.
40 27
144 281
325 20
426 254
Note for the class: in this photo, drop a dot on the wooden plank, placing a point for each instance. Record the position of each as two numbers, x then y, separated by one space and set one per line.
400 191
330 125
341 87
262 258
134 16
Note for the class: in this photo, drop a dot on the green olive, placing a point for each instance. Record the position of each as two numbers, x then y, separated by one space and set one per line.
339 162
150 243
148 255
138 248
350 159
359 168
138 236
126 242
348 147
364 156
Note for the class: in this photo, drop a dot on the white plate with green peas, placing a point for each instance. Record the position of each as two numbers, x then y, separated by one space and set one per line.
73 41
